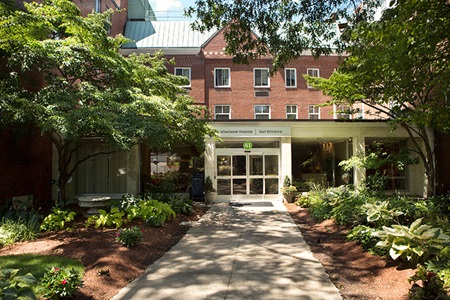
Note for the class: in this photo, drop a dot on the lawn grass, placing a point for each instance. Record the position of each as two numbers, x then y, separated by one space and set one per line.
38 264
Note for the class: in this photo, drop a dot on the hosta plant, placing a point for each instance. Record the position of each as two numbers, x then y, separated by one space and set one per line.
114 217
129 236
13 286
60 283
57 220
415 244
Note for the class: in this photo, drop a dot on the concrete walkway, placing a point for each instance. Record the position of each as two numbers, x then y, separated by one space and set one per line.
251 250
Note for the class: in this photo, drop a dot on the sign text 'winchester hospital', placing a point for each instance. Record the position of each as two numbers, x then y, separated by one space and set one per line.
255 132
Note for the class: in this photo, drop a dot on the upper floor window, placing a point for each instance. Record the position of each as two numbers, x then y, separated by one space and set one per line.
262 111
290 77
186 72
222 77
222 112
313 72
342 112
261 76
291 112
313 112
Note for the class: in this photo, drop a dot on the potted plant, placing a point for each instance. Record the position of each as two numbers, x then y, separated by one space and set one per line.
210 192
288 190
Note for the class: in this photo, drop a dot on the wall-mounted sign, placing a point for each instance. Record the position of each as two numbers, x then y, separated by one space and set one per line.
254 131
248 145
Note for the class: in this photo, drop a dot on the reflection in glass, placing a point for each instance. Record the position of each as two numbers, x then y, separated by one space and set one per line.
271 164
223 186
239 186
223 165
239 167
256 186
256 165
272 186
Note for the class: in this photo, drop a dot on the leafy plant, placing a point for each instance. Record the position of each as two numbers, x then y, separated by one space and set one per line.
129 236
416 243
155 213
432 287
181 205
209 185
114 217
379 214
12 231
57 220
364 235
13 286
128 200
60 283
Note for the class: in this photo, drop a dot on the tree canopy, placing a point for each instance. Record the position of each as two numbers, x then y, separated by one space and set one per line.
399 66
62 73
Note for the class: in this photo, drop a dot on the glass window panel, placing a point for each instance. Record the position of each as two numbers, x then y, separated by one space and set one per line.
223 186
224 165
256 165
239 186
271 186
256 186
271 164
239 165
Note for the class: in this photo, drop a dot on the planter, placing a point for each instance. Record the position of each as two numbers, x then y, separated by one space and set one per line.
210 197
288 197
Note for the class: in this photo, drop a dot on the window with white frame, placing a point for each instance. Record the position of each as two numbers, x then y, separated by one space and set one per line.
342 112
313 112
291 112
262 111
313 72
222 77
290 77
222 112
261 77
186 72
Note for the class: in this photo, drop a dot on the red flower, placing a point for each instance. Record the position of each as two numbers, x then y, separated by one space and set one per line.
64 282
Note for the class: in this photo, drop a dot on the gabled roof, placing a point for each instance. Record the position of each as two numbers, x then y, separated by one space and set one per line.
170 36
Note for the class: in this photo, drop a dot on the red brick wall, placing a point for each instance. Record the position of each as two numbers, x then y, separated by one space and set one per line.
25 166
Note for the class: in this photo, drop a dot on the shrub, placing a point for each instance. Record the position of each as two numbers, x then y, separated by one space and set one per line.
57 220
432 287
364 235
114 217
128 200
181 205
13 231
16 287
60 283
379 214
415 244
155 213
129 236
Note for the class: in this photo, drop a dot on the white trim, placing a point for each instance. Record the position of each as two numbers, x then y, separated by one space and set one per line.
291 113
184 68
314 113
268 78
262 114
229 78
222 113
285 78
312 75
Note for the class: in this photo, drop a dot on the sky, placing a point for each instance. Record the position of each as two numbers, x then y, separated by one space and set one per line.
170 5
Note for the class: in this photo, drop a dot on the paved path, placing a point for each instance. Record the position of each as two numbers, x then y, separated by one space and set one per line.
252 250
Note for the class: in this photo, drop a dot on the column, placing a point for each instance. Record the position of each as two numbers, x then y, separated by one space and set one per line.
359 148
210 160
286 159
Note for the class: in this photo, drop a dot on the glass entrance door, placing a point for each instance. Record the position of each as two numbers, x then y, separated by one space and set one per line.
247 174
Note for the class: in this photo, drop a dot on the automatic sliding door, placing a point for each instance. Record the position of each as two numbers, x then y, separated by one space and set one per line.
239 174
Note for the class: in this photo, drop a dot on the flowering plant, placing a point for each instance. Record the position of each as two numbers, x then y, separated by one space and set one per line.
129 236
60 283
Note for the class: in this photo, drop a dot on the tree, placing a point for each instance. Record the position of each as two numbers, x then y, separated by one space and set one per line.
88 89
284 29
399 66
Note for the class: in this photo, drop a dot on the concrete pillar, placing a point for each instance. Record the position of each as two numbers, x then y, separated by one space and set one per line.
286 159
210 154
359 148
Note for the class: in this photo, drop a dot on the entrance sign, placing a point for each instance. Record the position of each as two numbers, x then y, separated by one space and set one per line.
248 145
243 131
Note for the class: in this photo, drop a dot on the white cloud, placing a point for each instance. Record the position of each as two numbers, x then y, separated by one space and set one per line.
166 5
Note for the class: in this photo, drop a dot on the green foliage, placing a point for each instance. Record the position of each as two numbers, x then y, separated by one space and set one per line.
364 235
13 286
155 213
414 244
379 214
12 231
57 220
442 268
129 236
105 219
128 200
181 205
208 185
432 287
60 283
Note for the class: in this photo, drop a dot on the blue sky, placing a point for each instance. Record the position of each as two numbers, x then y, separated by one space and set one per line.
170 5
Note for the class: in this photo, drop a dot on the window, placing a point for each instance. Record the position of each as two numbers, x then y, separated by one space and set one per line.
291 112
222 112
261 77
313 112
313 72
290 78
342 112
222 77
186 72
262 111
